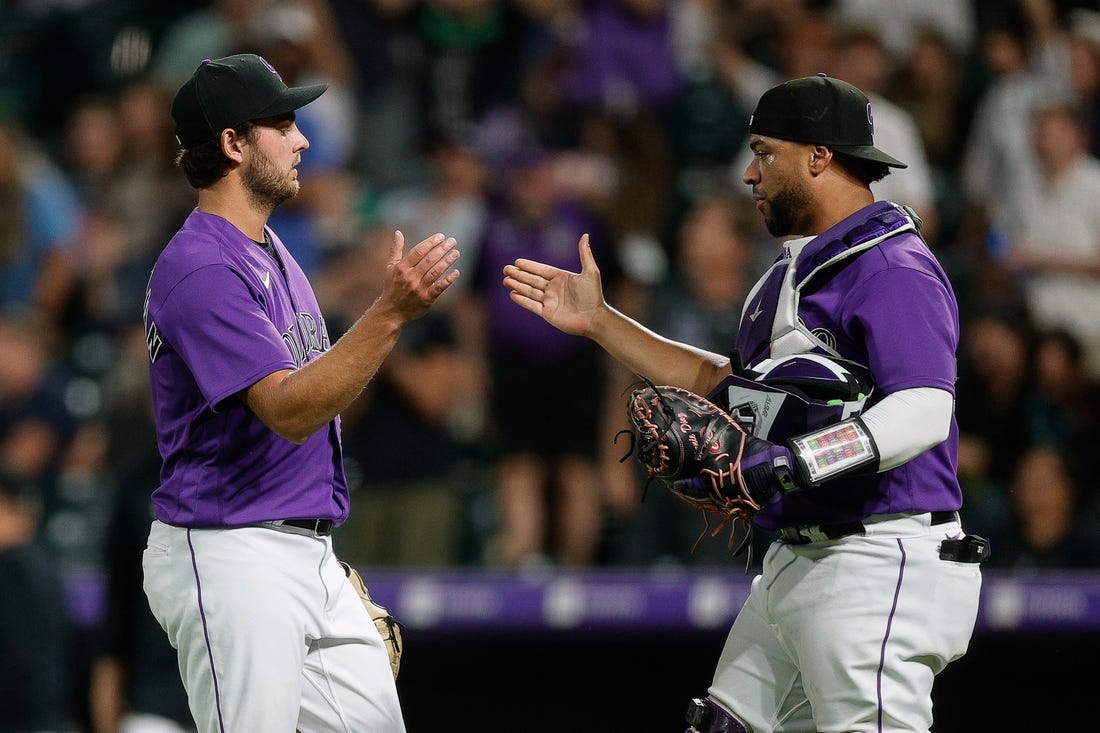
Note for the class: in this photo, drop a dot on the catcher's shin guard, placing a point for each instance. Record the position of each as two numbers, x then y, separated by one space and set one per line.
706 716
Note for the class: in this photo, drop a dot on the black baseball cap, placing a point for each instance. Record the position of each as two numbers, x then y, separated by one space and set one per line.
228 91
823 111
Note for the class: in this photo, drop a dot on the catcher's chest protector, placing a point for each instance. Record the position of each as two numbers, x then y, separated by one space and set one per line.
770 323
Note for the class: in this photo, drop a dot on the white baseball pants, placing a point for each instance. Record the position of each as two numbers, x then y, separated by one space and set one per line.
271 635
847 635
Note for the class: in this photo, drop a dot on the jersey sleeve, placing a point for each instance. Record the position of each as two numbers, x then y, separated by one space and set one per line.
910 323
221 331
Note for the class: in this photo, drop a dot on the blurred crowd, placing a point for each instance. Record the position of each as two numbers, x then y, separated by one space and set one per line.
489 439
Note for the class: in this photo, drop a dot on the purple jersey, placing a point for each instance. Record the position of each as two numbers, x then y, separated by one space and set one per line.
220 315
869 290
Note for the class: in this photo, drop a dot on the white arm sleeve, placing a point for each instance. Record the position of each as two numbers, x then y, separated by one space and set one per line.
907 423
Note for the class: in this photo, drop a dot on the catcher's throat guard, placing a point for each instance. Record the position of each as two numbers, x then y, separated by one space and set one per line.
780 398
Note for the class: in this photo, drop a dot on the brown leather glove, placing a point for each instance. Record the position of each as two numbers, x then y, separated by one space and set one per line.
388 627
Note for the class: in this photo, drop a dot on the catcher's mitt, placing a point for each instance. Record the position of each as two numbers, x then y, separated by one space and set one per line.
387 625
696 449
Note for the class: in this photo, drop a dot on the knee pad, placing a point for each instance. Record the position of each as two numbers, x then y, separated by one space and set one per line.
706 716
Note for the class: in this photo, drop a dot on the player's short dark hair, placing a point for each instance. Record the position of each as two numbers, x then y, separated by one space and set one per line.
204 165
867 171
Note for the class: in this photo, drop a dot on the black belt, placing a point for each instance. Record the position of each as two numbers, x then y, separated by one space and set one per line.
805 535
319 527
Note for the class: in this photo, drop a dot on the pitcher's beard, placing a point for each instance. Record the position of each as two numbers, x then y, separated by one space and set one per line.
266 185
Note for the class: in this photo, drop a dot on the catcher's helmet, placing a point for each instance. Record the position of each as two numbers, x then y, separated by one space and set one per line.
790 395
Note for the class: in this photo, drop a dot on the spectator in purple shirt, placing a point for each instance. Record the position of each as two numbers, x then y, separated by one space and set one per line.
872 587
546 485
247 391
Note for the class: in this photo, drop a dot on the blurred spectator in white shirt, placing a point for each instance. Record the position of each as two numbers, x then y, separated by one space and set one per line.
1055 246
861 58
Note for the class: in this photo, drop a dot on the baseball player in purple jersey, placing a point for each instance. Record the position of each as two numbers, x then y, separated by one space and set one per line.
247 391
872 587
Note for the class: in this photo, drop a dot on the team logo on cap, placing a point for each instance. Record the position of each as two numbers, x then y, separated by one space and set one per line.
870 117
276 73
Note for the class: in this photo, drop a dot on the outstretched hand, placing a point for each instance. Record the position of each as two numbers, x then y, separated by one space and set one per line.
567 300
415 279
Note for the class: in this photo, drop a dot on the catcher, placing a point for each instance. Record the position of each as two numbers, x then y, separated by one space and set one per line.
872 587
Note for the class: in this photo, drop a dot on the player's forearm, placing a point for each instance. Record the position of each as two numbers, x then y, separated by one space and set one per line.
655 357
304 400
